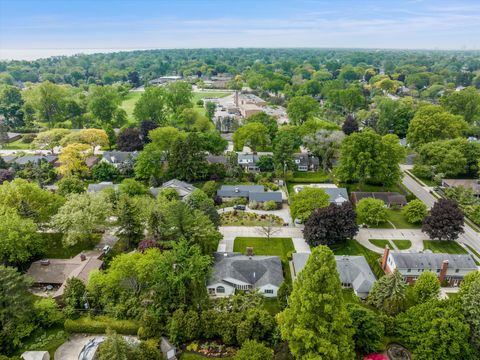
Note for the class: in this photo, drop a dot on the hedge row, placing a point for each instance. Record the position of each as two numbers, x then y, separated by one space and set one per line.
99 325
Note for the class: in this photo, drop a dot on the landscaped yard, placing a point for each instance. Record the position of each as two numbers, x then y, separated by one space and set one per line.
44 339
309 177
439 246
381 243
263 246
271 305
243 218
353 247
396 218
16 145
402 244
55 249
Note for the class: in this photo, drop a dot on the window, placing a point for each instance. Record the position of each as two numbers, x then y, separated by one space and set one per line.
457 270
438 270
211 291
409 270
220 290
268 291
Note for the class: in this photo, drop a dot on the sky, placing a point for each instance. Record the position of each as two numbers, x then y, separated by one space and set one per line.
32 29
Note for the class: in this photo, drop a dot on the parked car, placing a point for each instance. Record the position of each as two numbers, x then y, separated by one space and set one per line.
239 207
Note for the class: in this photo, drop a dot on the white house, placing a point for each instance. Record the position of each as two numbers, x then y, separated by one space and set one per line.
234 271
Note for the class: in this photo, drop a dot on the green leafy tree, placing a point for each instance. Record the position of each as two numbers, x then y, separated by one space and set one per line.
103 102
131 187
16 310
81 216
187 159
432 123
367 157
49 139
394 116
265 163
283 152
114 347
73 296
179 96
435 330
252 350
316 323
47 312
210 188
371 211
325 145
130 225
183 326
306 201
269 121
11 103
302 108
47 100
426 287
415 211
104 171
210 108
470 304
152 106
253 135
199 200
150 163
465 102
19 241
71 185
388 293
369 329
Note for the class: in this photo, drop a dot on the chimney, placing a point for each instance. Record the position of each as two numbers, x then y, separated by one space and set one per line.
443 271
386 252
249 251
83 257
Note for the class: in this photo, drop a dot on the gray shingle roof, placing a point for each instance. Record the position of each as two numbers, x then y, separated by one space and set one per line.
183 189
23 160
116 157
255 270
238 190
432 260
101 186
265 196
336 194
217 159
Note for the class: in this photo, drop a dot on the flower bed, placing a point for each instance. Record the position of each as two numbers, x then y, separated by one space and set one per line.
211 349
242 218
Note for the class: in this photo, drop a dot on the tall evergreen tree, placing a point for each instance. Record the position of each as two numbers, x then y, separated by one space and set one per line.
388 293
131 228
316 323
350 125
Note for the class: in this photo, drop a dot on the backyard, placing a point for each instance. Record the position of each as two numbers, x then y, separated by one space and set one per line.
54 248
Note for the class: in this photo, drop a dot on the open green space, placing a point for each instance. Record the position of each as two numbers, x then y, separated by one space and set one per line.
309 177
440 246
369 187
353 247
209 94
402 244
16 145
129 102
396 220
54 248
44 339
380 243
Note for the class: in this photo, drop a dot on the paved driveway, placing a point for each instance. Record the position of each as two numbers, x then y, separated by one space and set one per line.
416 236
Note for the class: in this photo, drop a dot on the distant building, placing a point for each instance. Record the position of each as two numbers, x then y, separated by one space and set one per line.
389 198
93 188
117 158
165 79
472 184
35 159
248 162
52 273
450 268
354 272
234 271
306 162
182 188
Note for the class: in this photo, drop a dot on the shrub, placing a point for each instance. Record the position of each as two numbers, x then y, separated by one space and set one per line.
99 325
270 205
371 211
28 138
253 205
47 312
415 211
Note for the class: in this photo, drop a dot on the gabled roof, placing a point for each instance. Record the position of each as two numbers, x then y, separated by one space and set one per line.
262 196
427 260
183 189
255 271
23 160
116 157
217 159
337 195
238 190
101 186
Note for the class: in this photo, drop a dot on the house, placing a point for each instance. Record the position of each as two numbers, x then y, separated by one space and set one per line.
36 159
91 161
53 273
165 79
217 159
450 268
35 355
182 188
306 162
93 188
234 271
336 195
354 272
248 161
250 192
389 198
472 184
117 158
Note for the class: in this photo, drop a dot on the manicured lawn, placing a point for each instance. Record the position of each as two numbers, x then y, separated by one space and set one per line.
16 145
449 247
208 94
381 243
309 177
45 339
129 102
263 246
473 250
368 187
353 247
55 249
402 244
243 218
397 218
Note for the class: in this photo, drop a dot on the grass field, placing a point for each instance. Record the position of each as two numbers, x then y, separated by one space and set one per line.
129 102
16 145
402 244
353 247
449 247
396 218
309 177
208 94
380 243
55 249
